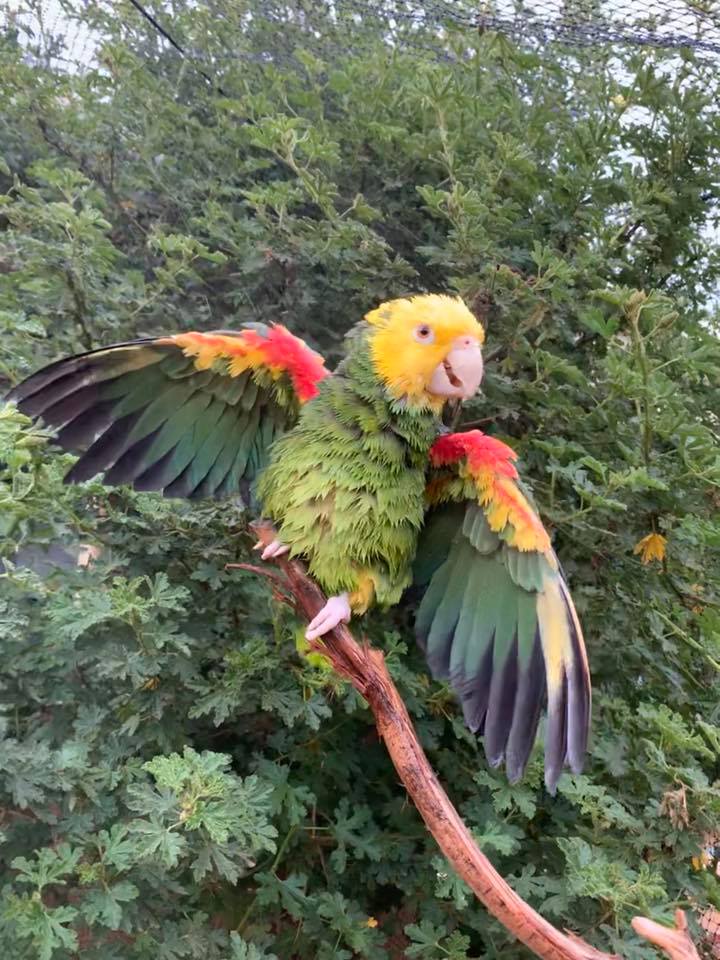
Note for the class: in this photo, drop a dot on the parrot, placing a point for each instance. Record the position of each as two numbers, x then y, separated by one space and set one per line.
364 483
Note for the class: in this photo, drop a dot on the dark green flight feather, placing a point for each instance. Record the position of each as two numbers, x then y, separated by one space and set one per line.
490 621
142 413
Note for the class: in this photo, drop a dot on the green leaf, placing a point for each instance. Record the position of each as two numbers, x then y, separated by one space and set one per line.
105 905
242 950
449 886
158 841
49 867
354 829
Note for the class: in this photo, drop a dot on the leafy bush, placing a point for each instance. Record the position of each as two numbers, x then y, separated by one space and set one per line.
176 780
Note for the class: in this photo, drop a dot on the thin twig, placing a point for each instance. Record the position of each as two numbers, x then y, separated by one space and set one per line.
260 571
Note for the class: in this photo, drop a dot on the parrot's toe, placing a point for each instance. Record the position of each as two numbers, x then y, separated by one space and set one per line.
336 610
272 550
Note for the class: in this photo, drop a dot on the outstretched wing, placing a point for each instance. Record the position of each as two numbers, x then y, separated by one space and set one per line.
496 618
192 415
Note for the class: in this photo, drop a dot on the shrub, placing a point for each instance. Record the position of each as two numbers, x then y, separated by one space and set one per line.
176 780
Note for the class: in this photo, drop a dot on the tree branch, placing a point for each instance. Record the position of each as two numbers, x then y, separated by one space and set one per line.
365 669
674 941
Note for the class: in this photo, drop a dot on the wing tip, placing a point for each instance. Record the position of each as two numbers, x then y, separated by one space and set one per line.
551 780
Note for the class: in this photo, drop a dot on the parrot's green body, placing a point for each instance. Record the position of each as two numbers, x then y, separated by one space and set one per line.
346 486
363 483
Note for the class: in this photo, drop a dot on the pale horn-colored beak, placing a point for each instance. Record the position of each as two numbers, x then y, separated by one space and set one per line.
461 371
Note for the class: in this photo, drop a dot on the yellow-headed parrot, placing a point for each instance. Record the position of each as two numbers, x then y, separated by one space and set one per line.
364 483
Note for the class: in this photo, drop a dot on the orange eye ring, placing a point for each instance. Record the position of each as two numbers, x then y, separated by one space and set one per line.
424 333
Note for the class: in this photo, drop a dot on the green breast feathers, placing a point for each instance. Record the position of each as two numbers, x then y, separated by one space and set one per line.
346 486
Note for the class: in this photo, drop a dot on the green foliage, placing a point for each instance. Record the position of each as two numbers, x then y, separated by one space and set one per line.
176 779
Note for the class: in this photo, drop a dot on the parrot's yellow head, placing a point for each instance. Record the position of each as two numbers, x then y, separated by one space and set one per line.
426 349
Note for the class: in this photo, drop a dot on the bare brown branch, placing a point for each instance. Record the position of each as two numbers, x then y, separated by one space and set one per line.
674 941
365 668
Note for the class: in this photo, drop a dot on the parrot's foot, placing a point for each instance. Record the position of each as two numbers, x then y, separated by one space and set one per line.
272 550
336 610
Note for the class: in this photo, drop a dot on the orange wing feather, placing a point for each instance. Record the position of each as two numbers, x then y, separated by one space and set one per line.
279 351
488 465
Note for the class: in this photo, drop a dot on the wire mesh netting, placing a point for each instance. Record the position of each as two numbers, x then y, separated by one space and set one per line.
664 24
708 918
53 33
710 923
58 32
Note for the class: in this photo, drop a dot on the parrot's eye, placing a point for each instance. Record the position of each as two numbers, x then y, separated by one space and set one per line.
424 333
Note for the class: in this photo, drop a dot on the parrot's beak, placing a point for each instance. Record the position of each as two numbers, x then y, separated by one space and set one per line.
461 371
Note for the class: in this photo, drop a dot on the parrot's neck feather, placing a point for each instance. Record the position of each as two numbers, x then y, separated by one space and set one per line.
359 366
417 423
